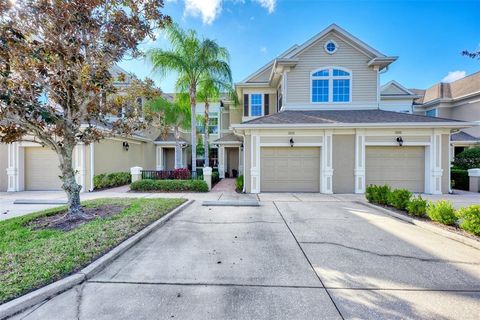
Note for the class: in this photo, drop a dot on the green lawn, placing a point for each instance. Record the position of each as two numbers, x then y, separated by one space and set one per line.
30 259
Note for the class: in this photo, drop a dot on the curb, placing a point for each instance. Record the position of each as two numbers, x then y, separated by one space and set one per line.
30 299
427 226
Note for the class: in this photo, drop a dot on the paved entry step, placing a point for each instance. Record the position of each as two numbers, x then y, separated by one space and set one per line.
231 203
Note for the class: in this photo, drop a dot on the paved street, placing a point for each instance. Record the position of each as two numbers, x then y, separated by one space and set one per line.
294 257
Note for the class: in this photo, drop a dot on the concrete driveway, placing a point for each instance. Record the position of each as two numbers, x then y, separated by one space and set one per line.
302 258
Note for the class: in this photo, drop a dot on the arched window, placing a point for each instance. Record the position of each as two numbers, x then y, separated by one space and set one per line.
332 84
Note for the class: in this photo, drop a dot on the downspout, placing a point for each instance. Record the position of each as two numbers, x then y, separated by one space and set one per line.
92 165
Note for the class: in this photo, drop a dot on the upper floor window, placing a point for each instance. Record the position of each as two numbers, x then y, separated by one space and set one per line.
431 113
331 85
256 105
330 46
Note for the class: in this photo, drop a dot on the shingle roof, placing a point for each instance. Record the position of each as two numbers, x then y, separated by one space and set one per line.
169 137
343 116
454 90
463 136
229 138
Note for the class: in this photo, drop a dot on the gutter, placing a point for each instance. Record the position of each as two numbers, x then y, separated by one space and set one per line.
457 125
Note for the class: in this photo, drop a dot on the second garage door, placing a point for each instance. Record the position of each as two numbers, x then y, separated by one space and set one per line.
286 169
41 169
398 167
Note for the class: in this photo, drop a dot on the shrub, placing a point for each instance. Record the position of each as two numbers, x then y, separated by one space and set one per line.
468 159
417 207
470 219
459 179
239 183
378 194
399 198
169 185
111 180
215 177
181 174
442 212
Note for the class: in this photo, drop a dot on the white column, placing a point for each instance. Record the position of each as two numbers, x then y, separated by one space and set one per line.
79 164
221 162
359 171
159 162
240 161
136 173
435 159
326 172
255 163
207 176
13 168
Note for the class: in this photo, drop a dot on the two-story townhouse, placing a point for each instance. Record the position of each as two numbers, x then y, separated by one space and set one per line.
316 119
459 100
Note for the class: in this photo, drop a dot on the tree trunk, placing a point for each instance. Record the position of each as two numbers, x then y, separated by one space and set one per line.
205 143
70 185
178 149
193 102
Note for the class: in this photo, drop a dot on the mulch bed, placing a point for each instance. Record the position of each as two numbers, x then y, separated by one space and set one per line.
453 229
62 222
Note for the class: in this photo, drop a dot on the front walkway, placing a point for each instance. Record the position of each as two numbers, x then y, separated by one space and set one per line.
225 185
304 257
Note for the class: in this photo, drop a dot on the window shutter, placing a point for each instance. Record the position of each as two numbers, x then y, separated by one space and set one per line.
245 105
266 101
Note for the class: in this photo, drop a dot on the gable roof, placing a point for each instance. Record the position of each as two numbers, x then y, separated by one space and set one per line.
343 33
469 85
463 136
394 84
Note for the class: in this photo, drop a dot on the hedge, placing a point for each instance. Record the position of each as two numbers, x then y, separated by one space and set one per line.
169 185
239 183
459 179
110 180
468 159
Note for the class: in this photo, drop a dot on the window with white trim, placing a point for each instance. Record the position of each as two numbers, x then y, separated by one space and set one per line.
331 85
256 105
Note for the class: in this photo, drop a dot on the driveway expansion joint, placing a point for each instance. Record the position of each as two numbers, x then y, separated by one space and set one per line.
309 262
226 222
390 255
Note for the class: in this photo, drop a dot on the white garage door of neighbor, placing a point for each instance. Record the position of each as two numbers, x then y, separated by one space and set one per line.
287 169
41 169
398 167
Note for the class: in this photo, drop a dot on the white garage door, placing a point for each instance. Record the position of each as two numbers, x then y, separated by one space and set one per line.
287 169
398 167
41 169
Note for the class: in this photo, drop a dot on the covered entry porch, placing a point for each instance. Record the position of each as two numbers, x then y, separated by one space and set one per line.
166 153
230 156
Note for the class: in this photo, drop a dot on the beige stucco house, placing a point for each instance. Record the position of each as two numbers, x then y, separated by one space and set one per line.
315 119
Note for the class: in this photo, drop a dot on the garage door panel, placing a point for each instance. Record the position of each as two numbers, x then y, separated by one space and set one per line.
290 169
398 167
41 169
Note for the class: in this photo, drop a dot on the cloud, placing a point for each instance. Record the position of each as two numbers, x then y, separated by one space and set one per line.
268 4
263 50
207 9
454 76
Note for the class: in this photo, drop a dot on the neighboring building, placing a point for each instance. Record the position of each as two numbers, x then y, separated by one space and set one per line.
458 100
316 119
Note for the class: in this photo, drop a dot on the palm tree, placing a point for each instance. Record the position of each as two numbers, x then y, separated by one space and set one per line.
173 114
195 60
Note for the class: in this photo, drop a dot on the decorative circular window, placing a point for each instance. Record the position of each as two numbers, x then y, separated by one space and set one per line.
330 46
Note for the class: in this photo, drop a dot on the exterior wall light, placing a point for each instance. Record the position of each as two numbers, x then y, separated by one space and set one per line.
241 147
291 142
400 141
125 145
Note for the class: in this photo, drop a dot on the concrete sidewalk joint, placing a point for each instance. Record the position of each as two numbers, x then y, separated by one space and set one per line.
30 299
427 226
